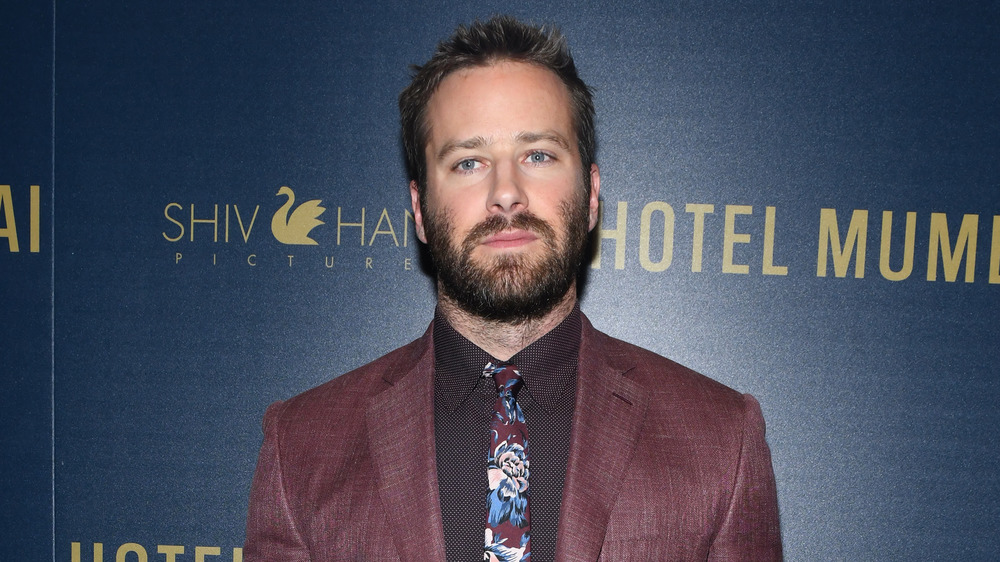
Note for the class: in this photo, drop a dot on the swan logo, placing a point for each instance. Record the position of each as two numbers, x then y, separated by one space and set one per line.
293 227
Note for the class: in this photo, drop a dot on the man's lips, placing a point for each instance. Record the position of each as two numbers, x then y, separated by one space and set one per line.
510 239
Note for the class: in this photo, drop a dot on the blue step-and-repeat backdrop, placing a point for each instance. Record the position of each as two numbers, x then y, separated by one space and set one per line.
801 200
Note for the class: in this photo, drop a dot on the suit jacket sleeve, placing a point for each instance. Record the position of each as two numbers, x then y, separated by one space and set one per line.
272 534
750 529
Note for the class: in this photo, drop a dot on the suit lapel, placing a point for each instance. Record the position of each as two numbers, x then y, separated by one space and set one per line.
401 439
609 413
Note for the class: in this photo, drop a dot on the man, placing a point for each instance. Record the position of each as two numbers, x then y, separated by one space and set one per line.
512 430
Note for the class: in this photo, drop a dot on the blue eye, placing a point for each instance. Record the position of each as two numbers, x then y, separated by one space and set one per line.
538 158
467 165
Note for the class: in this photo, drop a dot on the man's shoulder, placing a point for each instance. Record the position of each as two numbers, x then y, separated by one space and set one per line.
661 377
348 393
678 400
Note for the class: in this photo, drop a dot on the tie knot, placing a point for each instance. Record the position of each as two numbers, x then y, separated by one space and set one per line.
506 377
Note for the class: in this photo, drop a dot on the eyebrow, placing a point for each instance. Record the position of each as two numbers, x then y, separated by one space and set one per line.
551 136
469 144
523 137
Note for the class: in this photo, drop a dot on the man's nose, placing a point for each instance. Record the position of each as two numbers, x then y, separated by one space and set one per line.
507 193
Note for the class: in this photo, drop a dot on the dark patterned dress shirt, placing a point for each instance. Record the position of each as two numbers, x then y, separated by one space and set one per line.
463 403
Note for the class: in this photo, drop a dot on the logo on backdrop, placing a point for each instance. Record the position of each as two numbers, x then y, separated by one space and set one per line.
28 216
710 239
305 232
78 552
294 228
750 246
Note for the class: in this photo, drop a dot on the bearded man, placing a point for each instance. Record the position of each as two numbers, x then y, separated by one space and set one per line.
512 430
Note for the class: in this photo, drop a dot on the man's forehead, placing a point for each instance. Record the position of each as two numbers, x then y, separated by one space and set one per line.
505 102
537 80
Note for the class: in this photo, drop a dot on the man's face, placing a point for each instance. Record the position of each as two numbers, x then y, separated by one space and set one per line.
505 211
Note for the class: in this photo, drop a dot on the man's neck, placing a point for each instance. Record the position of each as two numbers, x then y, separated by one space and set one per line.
502 339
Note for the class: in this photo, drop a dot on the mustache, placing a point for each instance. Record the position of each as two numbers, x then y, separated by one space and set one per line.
496 224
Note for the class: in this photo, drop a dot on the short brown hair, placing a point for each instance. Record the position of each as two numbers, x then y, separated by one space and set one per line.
501 38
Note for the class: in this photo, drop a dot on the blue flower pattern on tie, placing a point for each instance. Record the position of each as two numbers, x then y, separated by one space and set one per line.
508 478
507 522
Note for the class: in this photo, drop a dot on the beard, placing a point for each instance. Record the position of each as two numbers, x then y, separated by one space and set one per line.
512 288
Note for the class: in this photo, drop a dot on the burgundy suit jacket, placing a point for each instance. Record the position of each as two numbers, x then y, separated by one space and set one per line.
664 464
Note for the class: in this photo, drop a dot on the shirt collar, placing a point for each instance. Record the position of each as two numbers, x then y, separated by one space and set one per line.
547 366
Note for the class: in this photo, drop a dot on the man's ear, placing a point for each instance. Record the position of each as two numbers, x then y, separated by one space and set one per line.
595 193
418 216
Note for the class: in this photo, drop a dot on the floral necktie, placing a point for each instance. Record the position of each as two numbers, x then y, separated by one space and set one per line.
507 527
